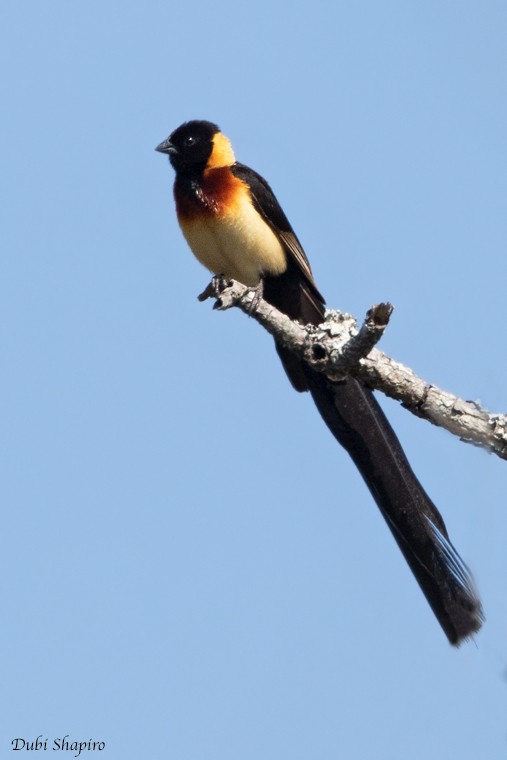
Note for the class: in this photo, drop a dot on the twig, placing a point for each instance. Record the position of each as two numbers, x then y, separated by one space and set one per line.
338 348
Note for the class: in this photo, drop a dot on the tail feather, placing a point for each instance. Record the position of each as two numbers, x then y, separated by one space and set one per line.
358 423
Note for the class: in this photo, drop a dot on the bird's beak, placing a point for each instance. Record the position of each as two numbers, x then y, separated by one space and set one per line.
167 147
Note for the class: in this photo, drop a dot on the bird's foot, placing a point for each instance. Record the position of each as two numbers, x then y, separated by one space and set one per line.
258 293
215 288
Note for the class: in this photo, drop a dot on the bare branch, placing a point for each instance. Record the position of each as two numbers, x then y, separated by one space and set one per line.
338 348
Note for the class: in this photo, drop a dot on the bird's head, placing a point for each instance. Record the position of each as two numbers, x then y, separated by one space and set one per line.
195 146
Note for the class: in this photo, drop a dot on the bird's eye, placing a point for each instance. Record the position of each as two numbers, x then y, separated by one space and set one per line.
189 141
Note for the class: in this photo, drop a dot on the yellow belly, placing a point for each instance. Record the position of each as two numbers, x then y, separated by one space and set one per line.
238 244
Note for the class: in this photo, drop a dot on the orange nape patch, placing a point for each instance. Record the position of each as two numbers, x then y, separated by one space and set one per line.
218 193
222 153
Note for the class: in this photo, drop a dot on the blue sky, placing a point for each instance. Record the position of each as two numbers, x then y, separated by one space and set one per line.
191 567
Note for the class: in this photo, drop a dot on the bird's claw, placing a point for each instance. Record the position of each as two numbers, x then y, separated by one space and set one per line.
215 288
258 293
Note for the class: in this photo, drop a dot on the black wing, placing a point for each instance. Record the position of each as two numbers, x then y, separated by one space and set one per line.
267 206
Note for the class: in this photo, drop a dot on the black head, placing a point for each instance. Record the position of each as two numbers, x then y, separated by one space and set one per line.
190 146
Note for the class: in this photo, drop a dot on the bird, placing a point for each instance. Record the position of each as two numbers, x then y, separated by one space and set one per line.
235 226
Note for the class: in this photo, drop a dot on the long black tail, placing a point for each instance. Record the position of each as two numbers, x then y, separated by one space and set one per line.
356 420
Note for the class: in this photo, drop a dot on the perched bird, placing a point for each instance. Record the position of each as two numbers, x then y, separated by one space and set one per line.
235 226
